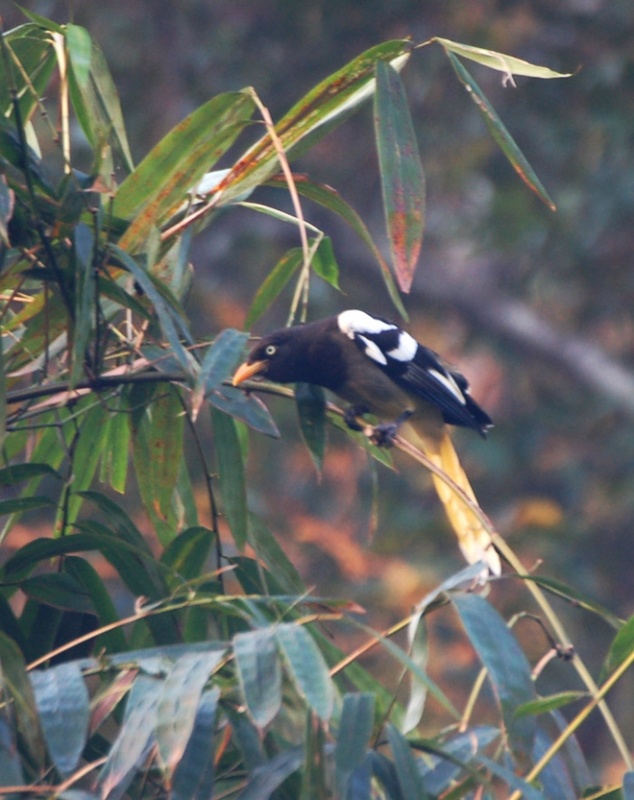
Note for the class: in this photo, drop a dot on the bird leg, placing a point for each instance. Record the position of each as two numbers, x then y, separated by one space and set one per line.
350 416
383 434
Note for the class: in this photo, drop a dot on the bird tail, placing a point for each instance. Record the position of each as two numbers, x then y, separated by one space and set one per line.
473 537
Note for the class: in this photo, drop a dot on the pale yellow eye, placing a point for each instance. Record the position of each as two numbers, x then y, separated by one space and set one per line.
270 350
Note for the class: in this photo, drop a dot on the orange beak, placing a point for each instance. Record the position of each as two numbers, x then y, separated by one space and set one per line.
246 371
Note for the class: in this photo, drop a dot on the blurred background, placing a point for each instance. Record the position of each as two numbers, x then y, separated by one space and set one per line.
534 307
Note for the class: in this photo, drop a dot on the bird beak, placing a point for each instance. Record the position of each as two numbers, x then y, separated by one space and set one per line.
246 371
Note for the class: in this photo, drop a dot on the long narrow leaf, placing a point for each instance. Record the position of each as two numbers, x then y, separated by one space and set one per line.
510 65
307 667
355 729
508 667
260 674
178 162
232 479
178 704
193 779
500 132
64 708
402 176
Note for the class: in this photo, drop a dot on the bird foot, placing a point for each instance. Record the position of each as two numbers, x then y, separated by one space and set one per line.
383 435
350 417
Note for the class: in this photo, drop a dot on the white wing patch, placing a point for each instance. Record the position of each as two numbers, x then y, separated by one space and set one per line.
449 383
353 321
372 350
407 347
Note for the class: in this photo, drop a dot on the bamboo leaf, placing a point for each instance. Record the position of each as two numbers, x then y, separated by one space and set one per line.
507 666
172 325
621 648
500 133
177 163
64 708
273 284
265 779
499 61
307 667
194 775
136 733
407 771
231 471
353 736
545 704
15 683
58 590
187 553
324 107
402 176
329 198
83 243
245 407
274 558
178 704
94 97
310 402
325 264
259 673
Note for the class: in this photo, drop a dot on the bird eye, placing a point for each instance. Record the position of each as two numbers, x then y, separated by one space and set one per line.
270 350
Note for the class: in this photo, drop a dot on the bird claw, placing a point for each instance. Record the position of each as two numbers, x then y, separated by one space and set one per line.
350 417
383 435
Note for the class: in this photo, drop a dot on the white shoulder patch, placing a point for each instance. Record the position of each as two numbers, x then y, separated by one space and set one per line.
406 349
354 321
372 350
449 383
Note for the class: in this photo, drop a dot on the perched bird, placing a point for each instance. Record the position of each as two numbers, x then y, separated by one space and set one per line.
380 369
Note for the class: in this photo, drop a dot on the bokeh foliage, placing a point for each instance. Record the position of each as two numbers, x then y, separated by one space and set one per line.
235 692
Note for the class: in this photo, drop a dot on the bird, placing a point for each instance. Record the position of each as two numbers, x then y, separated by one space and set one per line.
378 368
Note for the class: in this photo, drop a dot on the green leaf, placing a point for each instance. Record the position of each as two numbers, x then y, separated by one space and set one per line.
621 648
178 704
516 783
114 462
500 133
329 198
353 737
265 779
64 708
157 443
310 402
58 590
273 284
407 770
16 684
246 407
95 99
16 473
79 46
168 315
187 553
318 112
24 504
545 704
177 163
83 242
500 61
259 673
86 454
307 667
221 357
402 176
133 739
508 668
419 653
231 472
325 264
576 598
82 571
268 550
194 775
